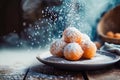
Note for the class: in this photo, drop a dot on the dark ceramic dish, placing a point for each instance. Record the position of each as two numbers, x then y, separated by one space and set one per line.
101 60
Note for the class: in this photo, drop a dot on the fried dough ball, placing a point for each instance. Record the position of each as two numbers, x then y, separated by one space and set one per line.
85 37
89 49
117 35
57 47
73 51
71 34
110 34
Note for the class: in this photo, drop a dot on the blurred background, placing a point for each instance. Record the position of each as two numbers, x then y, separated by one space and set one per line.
36 23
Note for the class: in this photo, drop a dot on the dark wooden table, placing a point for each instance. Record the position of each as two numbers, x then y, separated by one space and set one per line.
39 71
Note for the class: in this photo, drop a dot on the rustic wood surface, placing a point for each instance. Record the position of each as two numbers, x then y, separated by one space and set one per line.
44 72
7 73
110 73
18 70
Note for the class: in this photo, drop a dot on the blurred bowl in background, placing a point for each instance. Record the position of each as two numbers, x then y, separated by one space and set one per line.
110 22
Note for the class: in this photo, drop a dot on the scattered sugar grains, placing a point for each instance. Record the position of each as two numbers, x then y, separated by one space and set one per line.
73 51
71 34
57 47
89 49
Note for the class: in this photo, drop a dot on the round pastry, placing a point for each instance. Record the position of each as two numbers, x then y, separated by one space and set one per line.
89 49
57 47
85 37
71 34
73 51
117 35
110 34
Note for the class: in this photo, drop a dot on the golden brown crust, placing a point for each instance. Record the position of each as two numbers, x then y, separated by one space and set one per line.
117 35
57 47
73 51
71 34
89 49
110 34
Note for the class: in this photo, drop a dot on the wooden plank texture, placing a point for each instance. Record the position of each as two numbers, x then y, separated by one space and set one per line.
106 74
7 73
43 72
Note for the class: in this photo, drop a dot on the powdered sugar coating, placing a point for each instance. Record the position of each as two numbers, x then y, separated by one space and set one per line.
57 47
71 34
86 43
85 37
89 49
73 51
